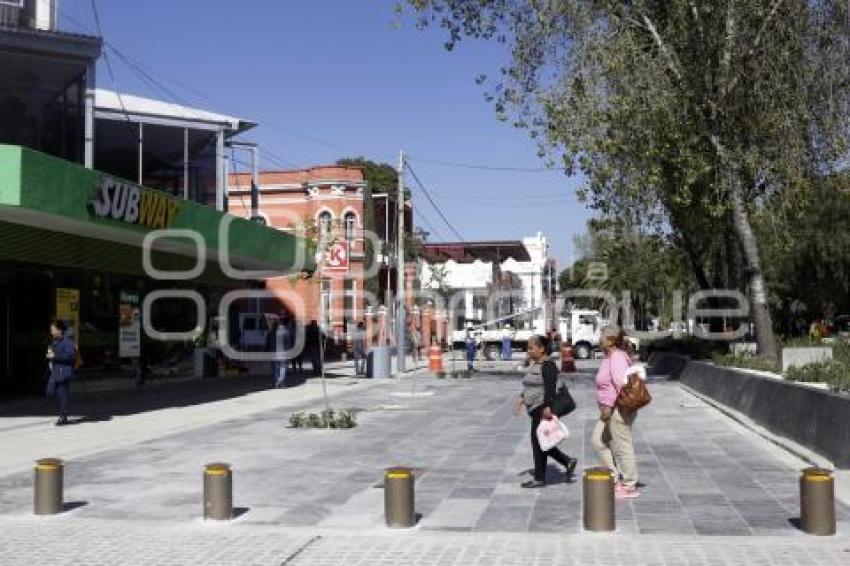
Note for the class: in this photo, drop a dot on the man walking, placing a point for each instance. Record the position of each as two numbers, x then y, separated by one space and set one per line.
359 340
507 335
61 357
470 350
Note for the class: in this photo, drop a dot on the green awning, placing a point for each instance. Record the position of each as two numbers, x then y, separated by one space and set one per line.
104 220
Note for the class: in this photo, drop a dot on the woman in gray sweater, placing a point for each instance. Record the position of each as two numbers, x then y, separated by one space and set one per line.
538 391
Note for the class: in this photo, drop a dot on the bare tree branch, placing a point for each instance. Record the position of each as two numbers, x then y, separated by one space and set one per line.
671 60
734 81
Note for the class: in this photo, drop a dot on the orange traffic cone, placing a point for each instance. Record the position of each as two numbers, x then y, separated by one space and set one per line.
568 364
435 359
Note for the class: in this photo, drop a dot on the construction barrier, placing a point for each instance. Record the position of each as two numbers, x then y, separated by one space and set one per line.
435 359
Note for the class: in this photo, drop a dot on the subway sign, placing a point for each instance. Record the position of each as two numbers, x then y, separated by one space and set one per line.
132 204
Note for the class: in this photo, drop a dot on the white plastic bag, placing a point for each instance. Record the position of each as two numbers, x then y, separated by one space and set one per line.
551 432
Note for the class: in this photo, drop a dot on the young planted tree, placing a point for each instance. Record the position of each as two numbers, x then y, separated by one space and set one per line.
683 113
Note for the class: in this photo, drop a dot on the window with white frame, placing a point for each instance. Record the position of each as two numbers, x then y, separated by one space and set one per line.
326 303
350 222
325 224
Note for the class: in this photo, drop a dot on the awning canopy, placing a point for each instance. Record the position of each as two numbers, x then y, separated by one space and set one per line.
47 193
467 252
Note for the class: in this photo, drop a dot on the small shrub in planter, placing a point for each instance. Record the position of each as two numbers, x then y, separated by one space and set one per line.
835 373
297 420
441 375
346 419
325 419
747 361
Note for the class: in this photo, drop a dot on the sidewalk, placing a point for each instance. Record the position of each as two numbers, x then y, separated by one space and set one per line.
716 493
109 420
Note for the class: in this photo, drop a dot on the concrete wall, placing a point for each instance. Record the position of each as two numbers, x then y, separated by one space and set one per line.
796 357
819 420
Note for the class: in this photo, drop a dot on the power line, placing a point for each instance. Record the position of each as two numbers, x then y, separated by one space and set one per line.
229 107
139 69
486 167
431 200
428 224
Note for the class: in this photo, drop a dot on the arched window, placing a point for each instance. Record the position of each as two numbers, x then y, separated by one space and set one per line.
350 221
325 224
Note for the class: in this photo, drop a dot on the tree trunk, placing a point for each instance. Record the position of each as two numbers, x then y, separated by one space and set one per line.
765 338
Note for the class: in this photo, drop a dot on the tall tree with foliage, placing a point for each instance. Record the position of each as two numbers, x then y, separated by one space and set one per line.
686 114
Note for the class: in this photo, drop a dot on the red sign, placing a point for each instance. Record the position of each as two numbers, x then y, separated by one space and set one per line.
336 257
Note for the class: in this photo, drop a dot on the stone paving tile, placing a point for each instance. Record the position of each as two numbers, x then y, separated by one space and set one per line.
702 475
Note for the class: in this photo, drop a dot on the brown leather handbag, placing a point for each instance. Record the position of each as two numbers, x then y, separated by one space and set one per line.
633 395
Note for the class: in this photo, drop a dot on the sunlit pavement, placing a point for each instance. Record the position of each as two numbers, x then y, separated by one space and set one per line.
714 493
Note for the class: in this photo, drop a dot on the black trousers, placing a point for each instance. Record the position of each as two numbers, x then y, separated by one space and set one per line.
540 456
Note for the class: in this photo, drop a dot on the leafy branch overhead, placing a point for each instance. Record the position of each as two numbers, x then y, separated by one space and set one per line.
683 115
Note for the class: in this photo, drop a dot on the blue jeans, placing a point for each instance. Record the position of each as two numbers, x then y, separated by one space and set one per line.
359 362
279 372
470 357
506 349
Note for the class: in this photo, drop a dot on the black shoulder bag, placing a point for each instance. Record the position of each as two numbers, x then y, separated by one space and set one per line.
563 403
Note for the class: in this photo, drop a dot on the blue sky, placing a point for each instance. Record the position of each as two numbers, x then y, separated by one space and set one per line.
333 78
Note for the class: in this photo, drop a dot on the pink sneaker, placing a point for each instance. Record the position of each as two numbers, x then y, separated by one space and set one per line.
625 492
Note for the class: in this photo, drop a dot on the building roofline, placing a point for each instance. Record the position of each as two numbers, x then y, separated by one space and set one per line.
111 104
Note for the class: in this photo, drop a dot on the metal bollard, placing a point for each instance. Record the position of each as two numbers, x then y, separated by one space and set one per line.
598 510
398 498
47 488
817 502
218 492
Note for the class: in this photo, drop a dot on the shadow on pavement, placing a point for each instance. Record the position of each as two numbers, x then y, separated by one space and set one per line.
97 406
71 505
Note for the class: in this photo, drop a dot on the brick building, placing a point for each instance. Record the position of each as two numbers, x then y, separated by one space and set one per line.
329 202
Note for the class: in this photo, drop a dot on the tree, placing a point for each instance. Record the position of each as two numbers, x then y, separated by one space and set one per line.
682 114
806 242
645 266
381 178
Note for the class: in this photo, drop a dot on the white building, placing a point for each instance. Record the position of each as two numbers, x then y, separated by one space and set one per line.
473 270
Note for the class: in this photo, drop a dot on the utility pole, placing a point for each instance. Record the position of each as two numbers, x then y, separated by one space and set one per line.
401 315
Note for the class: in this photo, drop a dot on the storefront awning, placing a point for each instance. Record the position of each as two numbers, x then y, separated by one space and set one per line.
42 192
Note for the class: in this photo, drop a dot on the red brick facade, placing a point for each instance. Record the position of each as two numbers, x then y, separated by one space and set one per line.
318 199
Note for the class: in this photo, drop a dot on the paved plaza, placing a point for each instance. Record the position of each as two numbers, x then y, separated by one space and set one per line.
715 493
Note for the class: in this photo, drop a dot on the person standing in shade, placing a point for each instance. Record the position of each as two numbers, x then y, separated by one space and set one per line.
359 344
313 338
538 392
470 350
297 359
61 357
612 436
282 346
415 344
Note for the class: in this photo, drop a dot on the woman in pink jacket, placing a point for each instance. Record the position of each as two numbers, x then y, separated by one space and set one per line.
612 436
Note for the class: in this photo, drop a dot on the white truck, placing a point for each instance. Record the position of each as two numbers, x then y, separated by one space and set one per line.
582 328
253 330
488 335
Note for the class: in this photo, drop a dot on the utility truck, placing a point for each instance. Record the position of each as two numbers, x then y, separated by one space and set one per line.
581 328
